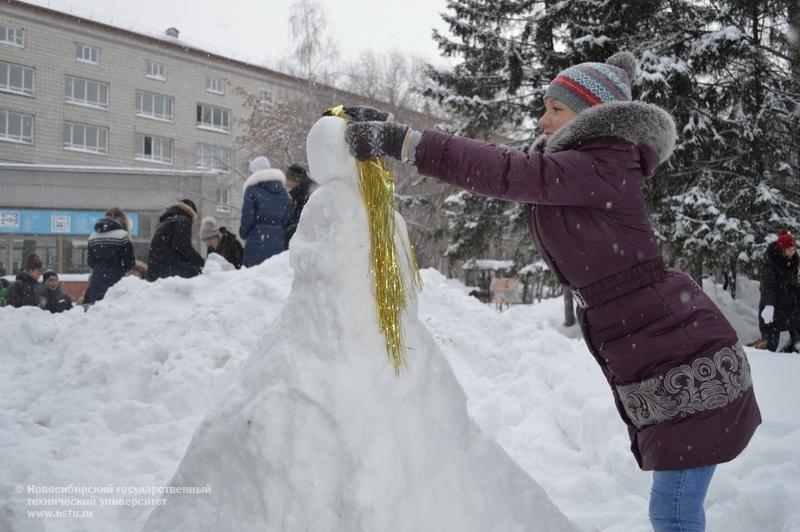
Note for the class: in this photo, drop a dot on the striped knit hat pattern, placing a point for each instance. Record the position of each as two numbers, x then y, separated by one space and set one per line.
582 86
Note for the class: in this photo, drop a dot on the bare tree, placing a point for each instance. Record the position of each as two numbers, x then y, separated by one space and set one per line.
278 129
314 52
394 78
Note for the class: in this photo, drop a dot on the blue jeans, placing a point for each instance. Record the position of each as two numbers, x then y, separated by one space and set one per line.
676 500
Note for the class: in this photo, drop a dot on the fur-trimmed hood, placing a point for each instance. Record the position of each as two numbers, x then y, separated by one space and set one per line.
178 208
262 176
637 122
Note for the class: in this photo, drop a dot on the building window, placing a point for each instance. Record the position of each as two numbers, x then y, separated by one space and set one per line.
87 54
214 118
86 92
16 78
83 137
150 105
156 70
12 35
215 85
223 200
154 149
265 96
213 157
16 127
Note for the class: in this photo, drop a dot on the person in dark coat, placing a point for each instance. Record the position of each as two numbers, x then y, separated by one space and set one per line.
26 290
4 284
55 299
300 188
680 377
779 306
221 241
171 251
265 214
110 253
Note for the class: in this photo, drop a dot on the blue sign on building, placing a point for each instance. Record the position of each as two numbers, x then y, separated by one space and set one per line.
29 221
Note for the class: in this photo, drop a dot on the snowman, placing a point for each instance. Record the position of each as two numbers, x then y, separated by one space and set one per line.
320 433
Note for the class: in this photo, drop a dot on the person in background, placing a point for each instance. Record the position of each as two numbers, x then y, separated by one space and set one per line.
221 241
110 254
171 251
265 213
26 290
678 373
4 284
300 188
55 299
139 270
779 306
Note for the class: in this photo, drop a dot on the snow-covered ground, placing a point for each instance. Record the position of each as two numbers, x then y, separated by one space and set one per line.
107 400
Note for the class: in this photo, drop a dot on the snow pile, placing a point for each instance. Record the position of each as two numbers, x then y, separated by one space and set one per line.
113 396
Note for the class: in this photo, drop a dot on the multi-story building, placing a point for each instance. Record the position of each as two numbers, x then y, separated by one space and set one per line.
93 116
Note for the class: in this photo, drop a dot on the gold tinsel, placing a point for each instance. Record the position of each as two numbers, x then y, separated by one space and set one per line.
391 288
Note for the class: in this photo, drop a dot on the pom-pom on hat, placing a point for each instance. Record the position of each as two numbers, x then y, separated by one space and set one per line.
582 86
259 163
786 240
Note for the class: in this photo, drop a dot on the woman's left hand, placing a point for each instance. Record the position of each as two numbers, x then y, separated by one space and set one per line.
370 140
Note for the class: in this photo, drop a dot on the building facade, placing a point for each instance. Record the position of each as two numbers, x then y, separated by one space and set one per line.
93 116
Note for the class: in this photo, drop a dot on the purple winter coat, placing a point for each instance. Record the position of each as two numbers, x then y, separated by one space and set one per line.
679 375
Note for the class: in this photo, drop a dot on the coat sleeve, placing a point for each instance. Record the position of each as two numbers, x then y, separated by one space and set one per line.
248 215
237 252
183 243
768 283
129 259
90 256
12 296
565 178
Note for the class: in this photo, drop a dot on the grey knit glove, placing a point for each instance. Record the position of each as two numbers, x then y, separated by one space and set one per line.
368 140
362 113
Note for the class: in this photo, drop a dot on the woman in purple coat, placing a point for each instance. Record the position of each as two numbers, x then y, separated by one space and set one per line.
678 373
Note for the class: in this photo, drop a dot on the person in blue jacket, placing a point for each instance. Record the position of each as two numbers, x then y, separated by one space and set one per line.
110 253
265 213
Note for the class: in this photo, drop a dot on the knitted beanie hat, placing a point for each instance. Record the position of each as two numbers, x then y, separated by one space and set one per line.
259 163
208 228
48 274
582 86
786 240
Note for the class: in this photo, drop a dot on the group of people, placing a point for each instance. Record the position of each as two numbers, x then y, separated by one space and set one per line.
26 291
270 215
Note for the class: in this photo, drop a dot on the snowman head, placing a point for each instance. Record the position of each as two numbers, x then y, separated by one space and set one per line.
326 149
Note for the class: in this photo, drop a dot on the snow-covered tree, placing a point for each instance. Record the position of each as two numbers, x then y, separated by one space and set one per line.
723 70
728 71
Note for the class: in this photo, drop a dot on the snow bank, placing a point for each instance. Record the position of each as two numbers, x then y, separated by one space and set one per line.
111 397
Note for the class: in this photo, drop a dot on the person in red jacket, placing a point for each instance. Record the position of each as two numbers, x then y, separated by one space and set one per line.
678 373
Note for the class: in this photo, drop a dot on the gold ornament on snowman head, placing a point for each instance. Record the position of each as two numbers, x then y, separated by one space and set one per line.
377 186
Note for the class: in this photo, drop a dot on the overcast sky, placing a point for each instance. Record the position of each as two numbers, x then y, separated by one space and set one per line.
258 29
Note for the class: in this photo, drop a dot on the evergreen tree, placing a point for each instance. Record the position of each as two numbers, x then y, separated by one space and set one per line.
727 70
725 76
